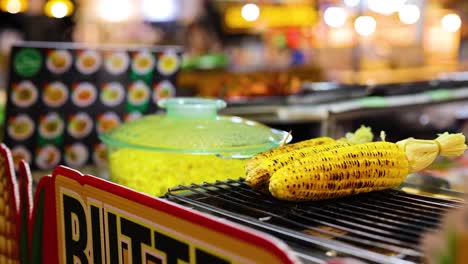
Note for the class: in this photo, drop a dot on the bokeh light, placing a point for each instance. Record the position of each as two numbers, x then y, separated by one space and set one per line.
365 25
114 10
58 8
409 14
250 12
335 17
451 22
352 3
159 11
13 6
386 7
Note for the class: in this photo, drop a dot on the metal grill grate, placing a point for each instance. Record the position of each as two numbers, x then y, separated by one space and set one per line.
383 227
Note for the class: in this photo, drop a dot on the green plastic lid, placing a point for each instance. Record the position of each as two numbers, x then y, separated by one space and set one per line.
191 125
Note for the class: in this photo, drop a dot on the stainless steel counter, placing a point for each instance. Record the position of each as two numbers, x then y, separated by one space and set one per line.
330 115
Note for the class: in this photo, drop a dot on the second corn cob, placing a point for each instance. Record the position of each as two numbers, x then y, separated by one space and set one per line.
258 159
362 135
258 177
260 168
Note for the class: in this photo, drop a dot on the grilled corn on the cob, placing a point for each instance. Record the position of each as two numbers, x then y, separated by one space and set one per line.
258 159
359 168
258 177
342 171
362 135
260 168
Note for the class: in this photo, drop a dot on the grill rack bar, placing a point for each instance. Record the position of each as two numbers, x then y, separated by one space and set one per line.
293 235
392 217
327 222
383 227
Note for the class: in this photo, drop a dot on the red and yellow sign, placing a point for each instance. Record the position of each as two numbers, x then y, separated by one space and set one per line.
99 221
272 16
83 219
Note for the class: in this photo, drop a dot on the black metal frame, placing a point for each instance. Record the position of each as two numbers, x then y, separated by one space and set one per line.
382 227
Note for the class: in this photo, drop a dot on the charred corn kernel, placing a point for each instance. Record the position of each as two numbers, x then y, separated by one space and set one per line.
259 176
342 171
257 160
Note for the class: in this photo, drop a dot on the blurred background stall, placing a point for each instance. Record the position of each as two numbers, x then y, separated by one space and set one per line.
272 54
285 41
81 68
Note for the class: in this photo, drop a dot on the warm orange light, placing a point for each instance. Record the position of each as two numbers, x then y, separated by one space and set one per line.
250 12
409 14
340 37
335 16
13 6
58 8
451 23
365 25
248 16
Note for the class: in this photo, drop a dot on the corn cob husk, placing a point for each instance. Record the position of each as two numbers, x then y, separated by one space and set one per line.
362 135
422 153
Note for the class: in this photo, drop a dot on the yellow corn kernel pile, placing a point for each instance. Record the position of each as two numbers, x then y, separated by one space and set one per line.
154 172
